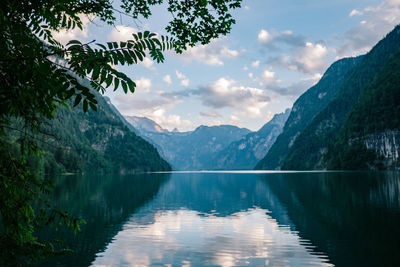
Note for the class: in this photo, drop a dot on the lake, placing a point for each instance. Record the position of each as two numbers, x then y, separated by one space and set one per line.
232 219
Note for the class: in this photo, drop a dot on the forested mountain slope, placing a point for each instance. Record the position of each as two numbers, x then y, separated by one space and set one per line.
370 136
96 140
306 107
310 147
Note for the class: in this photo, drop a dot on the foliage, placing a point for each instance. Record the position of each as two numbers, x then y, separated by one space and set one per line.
38 74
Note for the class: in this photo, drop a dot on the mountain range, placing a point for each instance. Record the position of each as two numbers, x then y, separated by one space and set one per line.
350 119
223 147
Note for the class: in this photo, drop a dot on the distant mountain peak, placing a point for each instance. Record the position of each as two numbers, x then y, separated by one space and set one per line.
145 124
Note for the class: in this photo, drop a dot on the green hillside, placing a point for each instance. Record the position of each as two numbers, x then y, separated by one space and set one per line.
306 107
376 112
311 145
96 140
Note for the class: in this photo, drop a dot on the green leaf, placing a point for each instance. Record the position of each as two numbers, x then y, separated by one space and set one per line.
93 106
116 83
132 86
85 105
96 72
124 86
78 99
109 80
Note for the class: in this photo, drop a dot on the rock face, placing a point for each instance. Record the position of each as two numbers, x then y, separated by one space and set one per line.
245 153
191 150
387 145
306 107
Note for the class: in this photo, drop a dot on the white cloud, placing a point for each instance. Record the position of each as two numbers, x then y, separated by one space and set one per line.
225 93
251 75
355 12
311 58
148 63
180 75
65 36
121 33
184 80
255 64
211 54
274 39
268 76
376 22
167 79
170 121
143 84
210 113
264 36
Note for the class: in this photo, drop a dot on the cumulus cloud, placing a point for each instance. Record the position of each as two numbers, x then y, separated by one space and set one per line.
255 64
297 88
167 79
211 54
376 22
180 75
310 58
170 121
268 76
184 80
274 40
148 63
355 12
264 36
143 84
65 36
121 33
225 93
210 114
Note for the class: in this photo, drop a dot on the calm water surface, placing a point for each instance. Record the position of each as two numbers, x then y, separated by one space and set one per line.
232 219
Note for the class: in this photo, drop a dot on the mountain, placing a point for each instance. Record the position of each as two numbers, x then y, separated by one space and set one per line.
370 136
245 153
310 147
306 107
190 150
97 140
143 124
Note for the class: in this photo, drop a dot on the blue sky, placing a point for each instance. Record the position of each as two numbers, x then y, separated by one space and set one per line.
275 52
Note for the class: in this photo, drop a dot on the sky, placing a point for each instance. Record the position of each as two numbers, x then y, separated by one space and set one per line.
276 51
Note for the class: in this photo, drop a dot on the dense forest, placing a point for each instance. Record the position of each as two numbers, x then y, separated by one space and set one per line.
95 140
377 111
309 148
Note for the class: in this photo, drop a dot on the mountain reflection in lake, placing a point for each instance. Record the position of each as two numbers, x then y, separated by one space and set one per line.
228 219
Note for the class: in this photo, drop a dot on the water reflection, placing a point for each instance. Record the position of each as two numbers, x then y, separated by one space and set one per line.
226 219
352 217
185 237
105 203
212 219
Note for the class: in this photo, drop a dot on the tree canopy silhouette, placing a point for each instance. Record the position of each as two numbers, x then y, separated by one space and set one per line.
38 74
